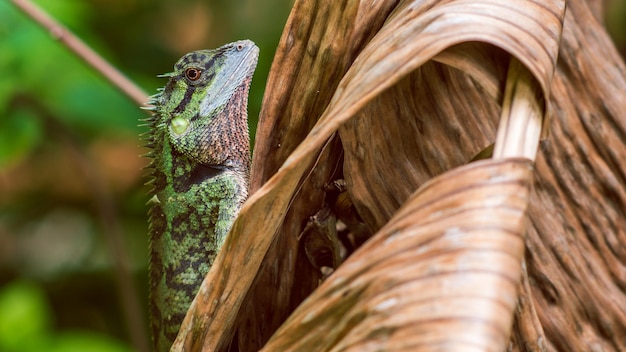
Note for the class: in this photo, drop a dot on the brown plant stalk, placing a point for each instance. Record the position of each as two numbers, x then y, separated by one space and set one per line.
81 50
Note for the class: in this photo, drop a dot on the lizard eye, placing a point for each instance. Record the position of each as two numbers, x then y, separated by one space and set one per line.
192 74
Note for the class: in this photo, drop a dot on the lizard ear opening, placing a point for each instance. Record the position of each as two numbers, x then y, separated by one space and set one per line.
179 125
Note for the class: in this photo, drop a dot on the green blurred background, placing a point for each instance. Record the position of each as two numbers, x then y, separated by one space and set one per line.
70 176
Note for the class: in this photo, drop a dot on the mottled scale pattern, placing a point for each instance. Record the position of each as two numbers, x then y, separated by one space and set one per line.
199 173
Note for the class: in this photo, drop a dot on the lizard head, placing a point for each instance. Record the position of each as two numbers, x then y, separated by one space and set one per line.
204 104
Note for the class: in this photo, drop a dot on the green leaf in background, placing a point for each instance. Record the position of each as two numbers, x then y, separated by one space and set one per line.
34 65
24 317
19 134
84 341
26 325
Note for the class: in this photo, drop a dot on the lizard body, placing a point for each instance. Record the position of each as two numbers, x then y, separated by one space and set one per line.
199 171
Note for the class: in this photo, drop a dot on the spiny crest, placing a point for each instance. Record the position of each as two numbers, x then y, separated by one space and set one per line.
149 122
148 137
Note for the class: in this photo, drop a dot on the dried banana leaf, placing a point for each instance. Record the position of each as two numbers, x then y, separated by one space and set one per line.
388 95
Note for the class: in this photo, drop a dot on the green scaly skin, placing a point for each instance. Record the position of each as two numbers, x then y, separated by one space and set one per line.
199 171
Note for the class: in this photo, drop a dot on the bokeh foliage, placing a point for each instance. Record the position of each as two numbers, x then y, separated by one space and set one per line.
66 132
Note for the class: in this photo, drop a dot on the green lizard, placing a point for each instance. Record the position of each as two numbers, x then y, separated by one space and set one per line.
199 171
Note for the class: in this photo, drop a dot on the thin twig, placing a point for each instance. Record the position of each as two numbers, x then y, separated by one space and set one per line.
78 47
